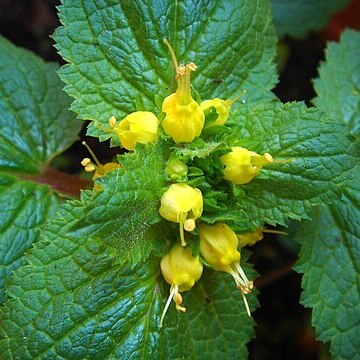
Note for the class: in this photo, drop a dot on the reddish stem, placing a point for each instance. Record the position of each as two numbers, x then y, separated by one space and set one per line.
59 181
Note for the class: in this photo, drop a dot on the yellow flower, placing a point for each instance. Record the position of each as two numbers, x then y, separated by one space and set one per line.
242 165
181 270
250 238
100 170
138 127
182 204
219 247
222 108
184 118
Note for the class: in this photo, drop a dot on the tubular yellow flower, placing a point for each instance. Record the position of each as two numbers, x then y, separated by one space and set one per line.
219 247
182 204
100 170
242 165
138 127
181 270
184 118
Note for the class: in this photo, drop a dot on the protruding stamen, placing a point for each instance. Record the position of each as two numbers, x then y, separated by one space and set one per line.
173 291
229 102
178 301
97 162
191 66
284 161
172 52
189 225
112 121
90 167
181 220
278 232
249 284
246 304
85 161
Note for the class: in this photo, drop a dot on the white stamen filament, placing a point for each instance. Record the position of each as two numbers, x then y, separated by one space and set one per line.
181 219
242 283
246 304
173 290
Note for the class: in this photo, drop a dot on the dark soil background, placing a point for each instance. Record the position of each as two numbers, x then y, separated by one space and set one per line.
283 326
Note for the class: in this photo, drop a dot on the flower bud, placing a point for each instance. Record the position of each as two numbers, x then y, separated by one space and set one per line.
242 165
219 247
250 238
222 108
138 127
180 203
176 169
181 270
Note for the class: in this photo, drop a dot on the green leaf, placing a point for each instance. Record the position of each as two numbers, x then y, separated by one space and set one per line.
125 213
35 126
330 251
35 122
298 17
116 52
24 208
323 159
338 87
74 301
330 261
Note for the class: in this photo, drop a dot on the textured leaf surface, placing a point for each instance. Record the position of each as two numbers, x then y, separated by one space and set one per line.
125 213
35 124
323 158
117 55
75 302
338 87
24 208
298 17
330 261
331 244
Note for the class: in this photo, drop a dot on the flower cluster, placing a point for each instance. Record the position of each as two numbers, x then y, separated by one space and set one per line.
183 120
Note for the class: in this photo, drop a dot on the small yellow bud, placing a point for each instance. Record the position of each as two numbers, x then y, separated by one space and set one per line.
250 238
242 165
181 270
222 108
180 203
138 127
219 247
